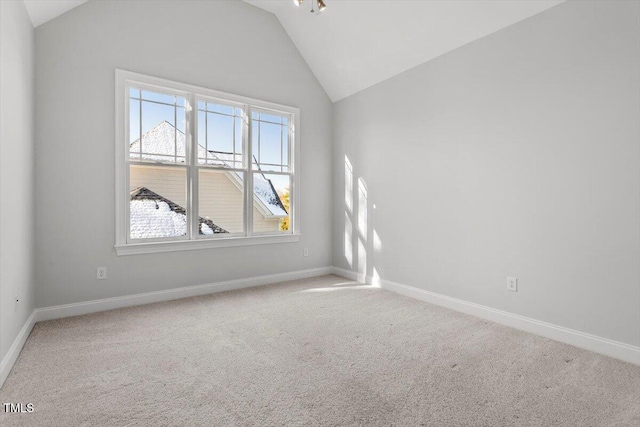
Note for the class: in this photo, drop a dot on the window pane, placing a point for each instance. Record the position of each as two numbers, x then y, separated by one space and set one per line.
159 97
134 121
255 141
160 139
270 118
202 135
158 132
285 149
219 108
265 167
272 202
238 141
221 202
220 135
158 201
181 116
270 142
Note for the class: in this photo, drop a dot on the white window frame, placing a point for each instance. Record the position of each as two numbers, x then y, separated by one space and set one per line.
126 246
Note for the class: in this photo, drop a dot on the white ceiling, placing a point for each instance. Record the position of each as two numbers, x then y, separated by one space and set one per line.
354 44
41 11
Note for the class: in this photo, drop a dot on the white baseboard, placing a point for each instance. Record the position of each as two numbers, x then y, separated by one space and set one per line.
351 275
618 350
615 349
354 275
77 309
14 351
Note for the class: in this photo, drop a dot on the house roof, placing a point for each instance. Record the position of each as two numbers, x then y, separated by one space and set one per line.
159 142
263 188
153 215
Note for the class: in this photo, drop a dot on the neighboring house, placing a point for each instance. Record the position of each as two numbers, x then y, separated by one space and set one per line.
220 192
155 216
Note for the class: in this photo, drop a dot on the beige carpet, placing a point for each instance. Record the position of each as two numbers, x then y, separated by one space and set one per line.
322 351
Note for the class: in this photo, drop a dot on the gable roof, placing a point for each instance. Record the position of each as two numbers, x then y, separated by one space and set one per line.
158 145
155 216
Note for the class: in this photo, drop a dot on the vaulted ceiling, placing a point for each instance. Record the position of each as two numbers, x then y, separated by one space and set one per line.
354 44
41 11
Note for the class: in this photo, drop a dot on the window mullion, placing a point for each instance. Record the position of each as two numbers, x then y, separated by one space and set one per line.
248 188
140 125
293 174
192 167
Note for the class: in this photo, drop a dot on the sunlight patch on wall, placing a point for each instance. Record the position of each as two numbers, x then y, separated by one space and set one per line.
348 184
376 281
348 239
377 243
362 209
362 258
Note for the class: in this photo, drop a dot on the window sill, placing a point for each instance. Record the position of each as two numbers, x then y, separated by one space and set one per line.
189 245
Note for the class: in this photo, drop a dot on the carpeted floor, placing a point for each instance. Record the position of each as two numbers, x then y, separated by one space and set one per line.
322 351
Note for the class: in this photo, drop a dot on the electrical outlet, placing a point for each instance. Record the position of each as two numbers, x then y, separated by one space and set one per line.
102 273
512 284
305 252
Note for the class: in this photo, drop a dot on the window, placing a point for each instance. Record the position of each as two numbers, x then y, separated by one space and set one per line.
196 168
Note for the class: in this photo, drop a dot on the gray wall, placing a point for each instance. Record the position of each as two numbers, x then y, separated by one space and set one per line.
516 155
205 43
16 171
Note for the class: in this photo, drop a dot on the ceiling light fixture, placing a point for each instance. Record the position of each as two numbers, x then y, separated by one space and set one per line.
320 3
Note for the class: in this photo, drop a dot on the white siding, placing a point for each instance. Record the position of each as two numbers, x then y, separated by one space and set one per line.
169 182
221 200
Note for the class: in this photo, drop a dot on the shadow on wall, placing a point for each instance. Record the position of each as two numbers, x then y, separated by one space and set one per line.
361 248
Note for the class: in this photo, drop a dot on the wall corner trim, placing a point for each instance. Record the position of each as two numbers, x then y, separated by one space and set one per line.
14 351
618 350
